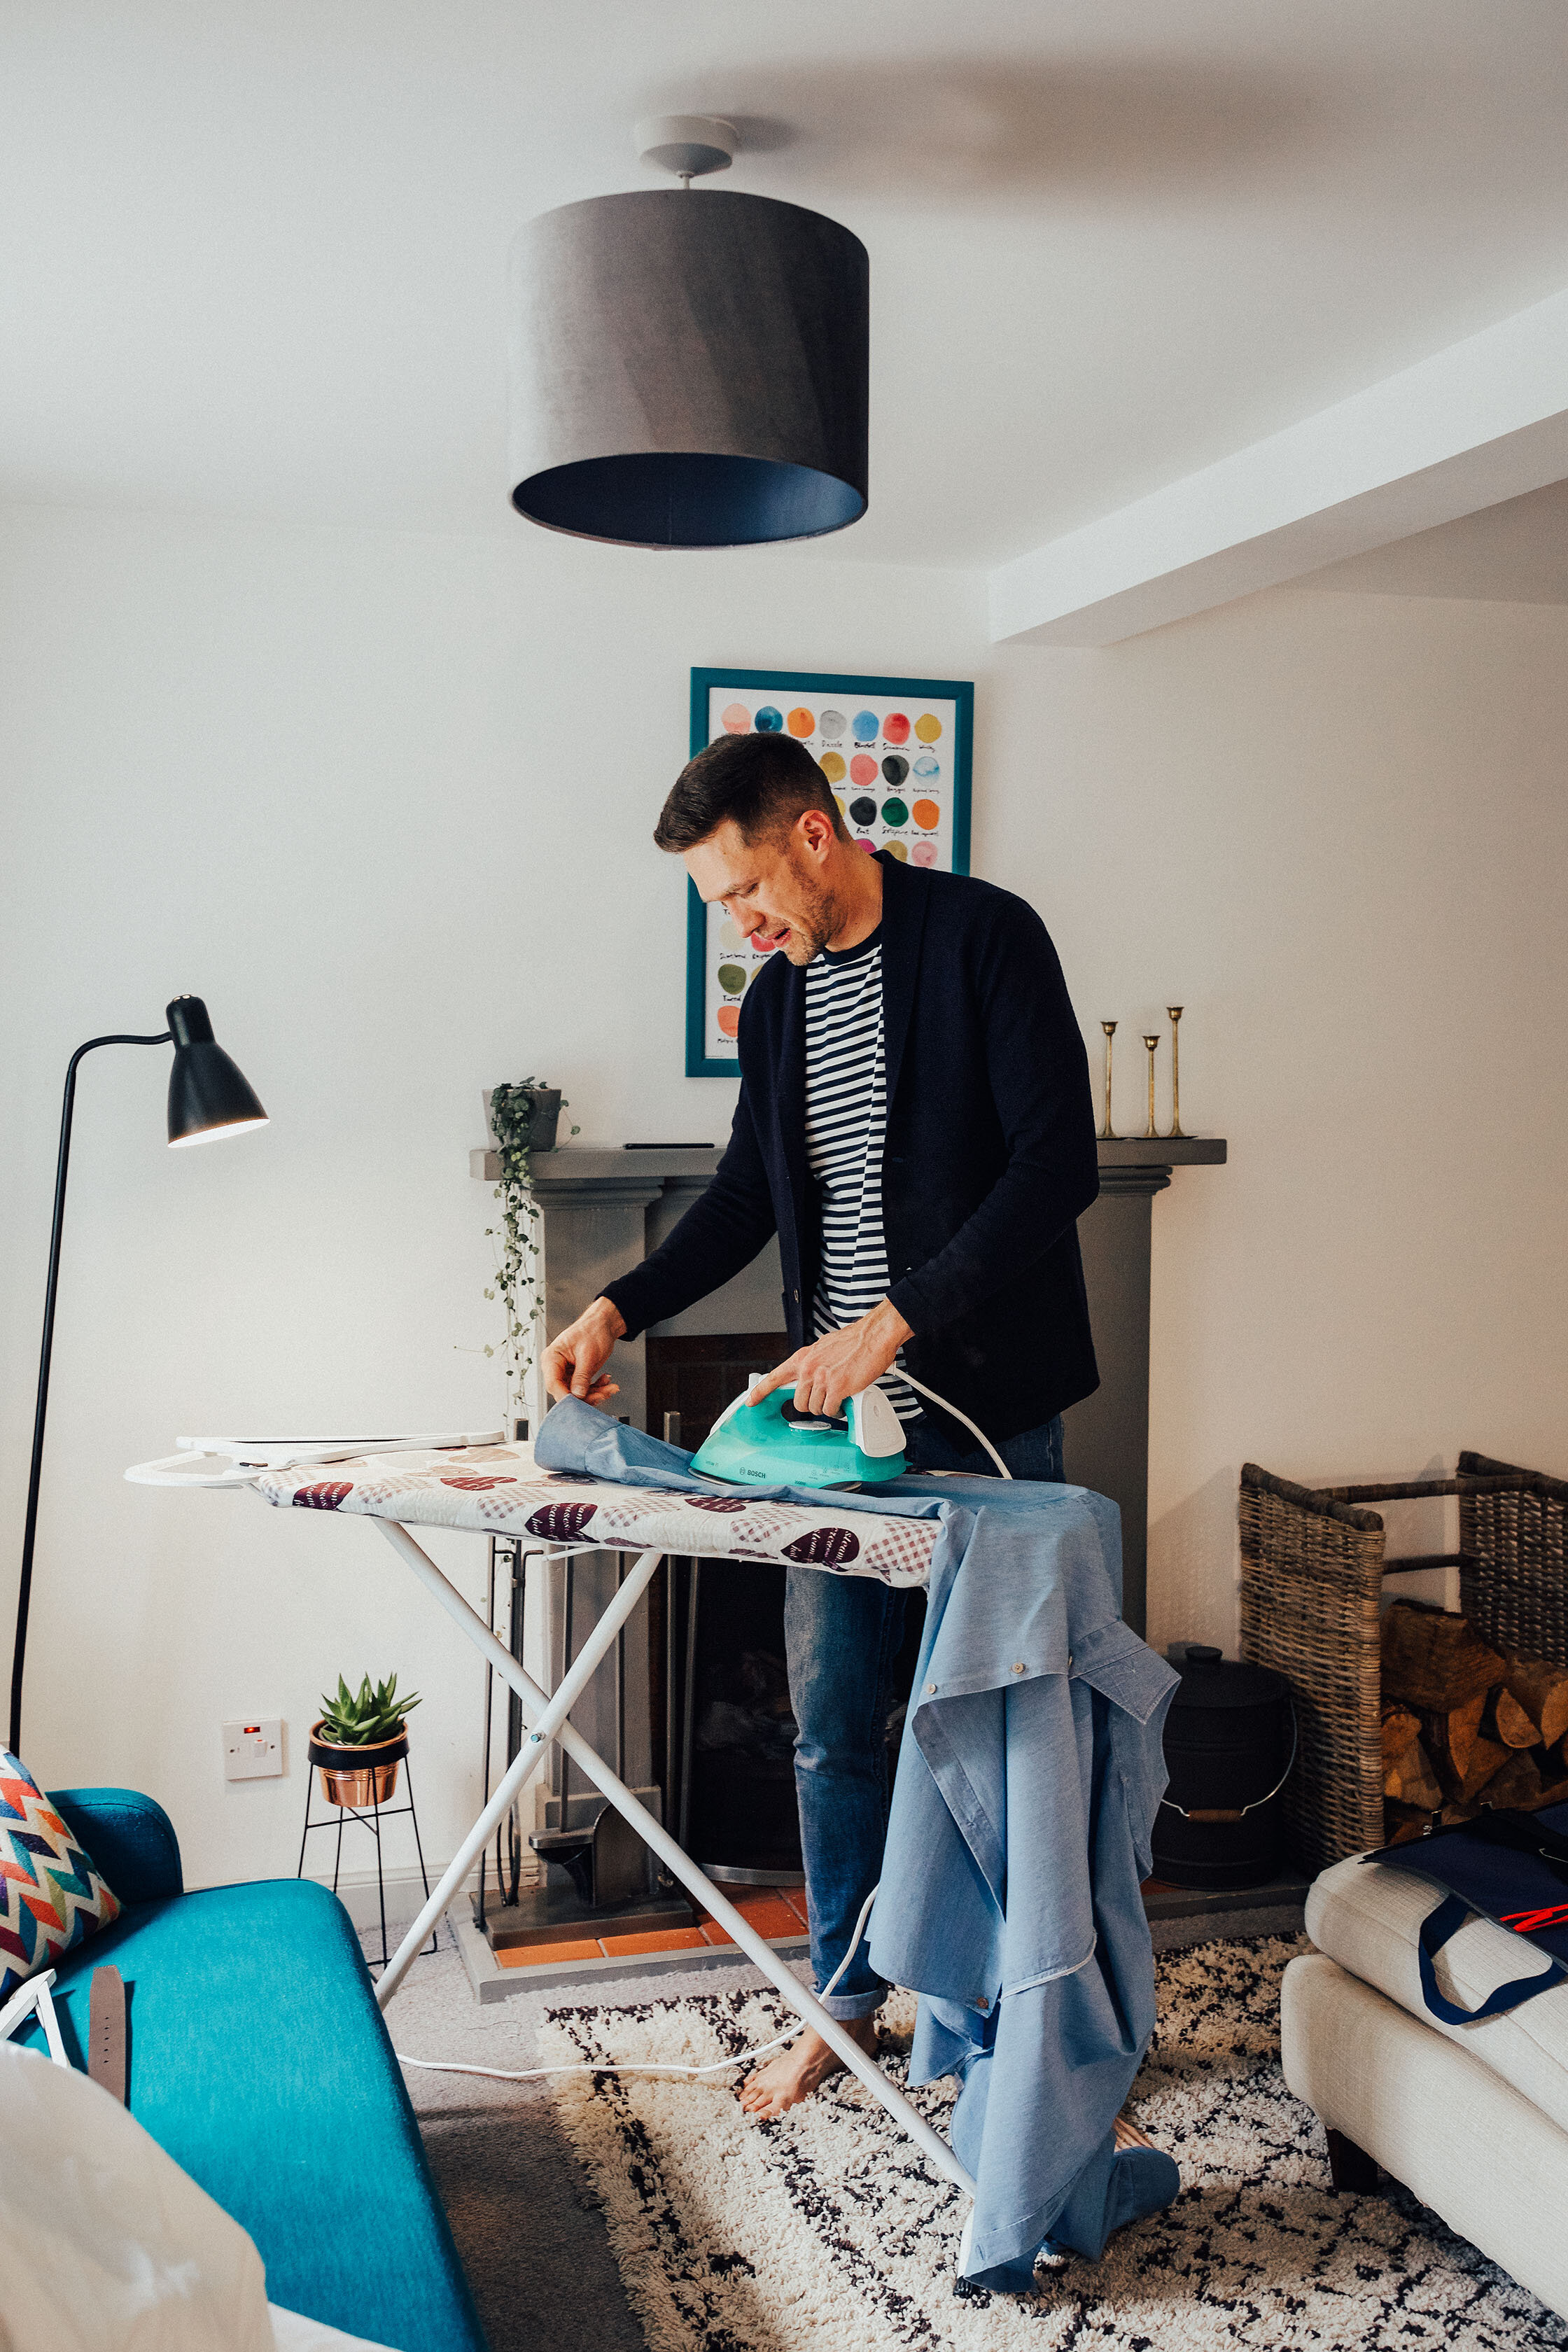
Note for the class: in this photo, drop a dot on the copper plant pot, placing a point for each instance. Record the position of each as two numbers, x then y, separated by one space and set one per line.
357 1776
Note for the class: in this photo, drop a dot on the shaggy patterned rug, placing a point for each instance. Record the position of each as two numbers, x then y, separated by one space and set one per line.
824 2231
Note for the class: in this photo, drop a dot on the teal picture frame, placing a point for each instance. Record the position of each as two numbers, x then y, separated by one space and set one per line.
960 692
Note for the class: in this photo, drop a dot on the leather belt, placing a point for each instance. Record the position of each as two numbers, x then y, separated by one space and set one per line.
106 2031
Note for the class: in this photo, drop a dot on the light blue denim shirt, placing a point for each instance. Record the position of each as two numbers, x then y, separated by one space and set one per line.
1028 1779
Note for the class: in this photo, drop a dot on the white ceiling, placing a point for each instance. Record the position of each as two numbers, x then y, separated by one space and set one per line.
252 252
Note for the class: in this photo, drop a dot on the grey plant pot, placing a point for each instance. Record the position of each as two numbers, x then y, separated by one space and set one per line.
546 1114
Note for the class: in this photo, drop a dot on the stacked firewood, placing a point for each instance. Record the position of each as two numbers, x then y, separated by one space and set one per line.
1465 1725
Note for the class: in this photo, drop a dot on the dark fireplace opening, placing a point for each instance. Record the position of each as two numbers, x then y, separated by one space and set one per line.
721 1691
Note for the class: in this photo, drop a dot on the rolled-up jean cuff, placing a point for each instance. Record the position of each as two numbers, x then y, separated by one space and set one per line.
847 2005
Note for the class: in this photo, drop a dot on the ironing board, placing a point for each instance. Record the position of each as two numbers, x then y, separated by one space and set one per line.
497 1490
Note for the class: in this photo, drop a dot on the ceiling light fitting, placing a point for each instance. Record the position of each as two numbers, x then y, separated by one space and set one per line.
689 145
689 370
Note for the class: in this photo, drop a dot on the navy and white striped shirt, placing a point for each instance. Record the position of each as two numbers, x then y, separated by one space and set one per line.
846 1129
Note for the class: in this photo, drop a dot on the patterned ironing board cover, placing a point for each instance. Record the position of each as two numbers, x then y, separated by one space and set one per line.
497 1490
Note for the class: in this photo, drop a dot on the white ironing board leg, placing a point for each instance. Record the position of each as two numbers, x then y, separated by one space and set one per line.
540 1710
530 1755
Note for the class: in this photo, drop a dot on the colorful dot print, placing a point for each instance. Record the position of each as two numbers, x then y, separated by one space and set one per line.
884 762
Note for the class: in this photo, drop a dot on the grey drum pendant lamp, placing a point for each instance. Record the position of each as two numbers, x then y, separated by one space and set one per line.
689 369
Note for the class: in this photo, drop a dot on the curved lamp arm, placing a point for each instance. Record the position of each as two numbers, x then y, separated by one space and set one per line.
31 1528
207 1096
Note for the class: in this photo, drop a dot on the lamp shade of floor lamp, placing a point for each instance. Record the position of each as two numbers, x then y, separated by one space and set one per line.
208 1096
689 370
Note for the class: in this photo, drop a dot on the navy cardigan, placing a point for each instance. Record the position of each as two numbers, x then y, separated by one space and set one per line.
990 1158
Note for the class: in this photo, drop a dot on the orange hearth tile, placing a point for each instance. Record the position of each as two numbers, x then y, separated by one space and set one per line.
763 1908
536 1956
776 1912
660 1939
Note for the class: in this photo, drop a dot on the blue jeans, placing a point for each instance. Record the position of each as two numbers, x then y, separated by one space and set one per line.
842 1638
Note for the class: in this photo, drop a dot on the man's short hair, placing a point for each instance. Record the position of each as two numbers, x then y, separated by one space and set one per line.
762 782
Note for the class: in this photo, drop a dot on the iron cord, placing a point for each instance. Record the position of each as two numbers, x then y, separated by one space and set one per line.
719 2066
1002 1468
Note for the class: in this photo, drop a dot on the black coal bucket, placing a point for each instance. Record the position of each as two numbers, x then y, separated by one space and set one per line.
1230 1741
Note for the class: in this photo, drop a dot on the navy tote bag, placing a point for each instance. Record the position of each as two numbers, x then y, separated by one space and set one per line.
1512 1868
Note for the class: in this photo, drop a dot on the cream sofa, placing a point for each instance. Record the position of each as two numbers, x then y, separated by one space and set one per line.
1473 2118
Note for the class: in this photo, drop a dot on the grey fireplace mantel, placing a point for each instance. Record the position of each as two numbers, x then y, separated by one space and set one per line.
603 1208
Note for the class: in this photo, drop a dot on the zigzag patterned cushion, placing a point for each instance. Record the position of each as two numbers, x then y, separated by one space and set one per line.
51 1894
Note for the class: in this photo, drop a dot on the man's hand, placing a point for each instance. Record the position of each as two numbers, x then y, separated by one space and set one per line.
841 1364
572 1358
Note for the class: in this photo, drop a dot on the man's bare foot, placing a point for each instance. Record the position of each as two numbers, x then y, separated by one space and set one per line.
1130 2135
803 2068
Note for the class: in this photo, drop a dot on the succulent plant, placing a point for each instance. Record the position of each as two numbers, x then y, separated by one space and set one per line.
359 1718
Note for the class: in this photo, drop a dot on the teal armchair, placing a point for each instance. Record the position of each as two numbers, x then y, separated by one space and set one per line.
258 2060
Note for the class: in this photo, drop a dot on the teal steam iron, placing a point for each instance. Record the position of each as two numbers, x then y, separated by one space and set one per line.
774 1445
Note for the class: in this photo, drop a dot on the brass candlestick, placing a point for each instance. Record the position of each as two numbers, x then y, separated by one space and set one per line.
1176 1128
1150 1042
1108 1133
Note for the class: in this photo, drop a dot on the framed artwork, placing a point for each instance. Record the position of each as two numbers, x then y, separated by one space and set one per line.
896 751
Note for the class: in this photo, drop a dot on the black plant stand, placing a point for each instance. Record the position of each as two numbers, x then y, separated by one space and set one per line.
371 1822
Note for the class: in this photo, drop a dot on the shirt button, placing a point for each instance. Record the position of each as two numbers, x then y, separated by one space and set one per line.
931 1690
1017 1666
983 2003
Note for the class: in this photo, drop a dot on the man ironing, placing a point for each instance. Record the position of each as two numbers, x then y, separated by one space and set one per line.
915 1124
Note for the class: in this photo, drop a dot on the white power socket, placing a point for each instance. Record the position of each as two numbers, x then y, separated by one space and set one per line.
253 1750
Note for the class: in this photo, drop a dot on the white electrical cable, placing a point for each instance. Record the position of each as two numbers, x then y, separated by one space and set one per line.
1001 1467
719 2066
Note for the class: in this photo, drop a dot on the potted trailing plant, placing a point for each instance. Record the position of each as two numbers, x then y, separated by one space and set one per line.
358 1741
521 1119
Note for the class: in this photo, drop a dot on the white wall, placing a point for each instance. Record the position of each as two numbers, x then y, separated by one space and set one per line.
385 800
1335 828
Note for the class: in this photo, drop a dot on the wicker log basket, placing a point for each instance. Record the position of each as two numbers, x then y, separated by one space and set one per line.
1312 1562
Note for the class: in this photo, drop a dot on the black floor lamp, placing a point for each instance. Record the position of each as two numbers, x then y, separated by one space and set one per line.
208 1096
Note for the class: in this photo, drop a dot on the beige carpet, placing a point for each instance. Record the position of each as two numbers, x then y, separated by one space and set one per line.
824 2231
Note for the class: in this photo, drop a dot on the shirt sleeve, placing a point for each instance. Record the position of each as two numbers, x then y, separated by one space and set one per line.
1038 1072
720 1235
